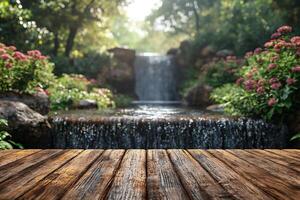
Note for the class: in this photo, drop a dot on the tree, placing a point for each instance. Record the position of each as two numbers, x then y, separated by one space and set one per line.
66 18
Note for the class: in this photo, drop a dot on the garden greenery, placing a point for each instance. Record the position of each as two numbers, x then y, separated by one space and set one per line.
269 81
24 72
5 142
32 73
68 90
222 71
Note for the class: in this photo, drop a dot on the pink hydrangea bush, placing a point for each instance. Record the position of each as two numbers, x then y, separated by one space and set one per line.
270 80
29 72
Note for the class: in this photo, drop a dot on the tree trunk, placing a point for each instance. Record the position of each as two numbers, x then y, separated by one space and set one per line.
197 18
70 41
56 44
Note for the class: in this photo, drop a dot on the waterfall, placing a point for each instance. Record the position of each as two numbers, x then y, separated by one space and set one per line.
163 128
156 78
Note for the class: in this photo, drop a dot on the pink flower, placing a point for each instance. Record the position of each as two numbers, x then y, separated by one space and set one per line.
269 44
272 66
257 50
8 65
5 56
296 69
296 40
20 56
260 90
272 102
284 29
2 45
250 85
276 86
273 80
34 53
275 35
239 81
2 51
249 54
12 48
291 81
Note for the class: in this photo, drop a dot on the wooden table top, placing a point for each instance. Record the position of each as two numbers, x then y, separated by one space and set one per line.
150 174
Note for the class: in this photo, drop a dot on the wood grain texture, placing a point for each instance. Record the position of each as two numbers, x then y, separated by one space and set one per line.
95 182
284 153
58 182
162 180
9 156
130 181
284 173
152 174
235 184
197 182
290 163
260 177
12 168
24 180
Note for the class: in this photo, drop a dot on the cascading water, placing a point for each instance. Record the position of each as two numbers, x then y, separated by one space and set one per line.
162 127
156 78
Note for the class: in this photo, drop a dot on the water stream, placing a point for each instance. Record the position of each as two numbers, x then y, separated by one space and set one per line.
156 78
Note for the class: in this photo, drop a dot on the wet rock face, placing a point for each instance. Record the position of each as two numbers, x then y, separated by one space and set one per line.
192 132
39 102
27 127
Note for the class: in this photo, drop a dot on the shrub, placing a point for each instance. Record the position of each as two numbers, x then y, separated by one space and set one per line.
222 71
68 90
269 81
5 142
22 72
122 100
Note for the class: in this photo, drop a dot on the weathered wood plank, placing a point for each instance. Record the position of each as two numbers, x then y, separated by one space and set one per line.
10 151
293 153
29 177
11 155
94 183
270 184
290 163
286 174
12 168
130 180
195 179
284 154
162 180
235 184
57 183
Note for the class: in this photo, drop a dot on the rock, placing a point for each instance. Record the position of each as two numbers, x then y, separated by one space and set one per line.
198 96
123 54
26 126
224 53
39 102
216 108
172 51
87 104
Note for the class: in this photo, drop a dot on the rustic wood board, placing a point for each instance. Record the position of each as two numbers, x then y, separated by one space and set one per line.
150 174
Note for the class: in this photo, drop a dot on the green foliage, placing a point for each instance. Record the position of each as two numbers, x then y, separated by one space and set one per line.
88 64
17 28
122 101
24 72
68 90
296 137
226 24
5 143
269 81
222 71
